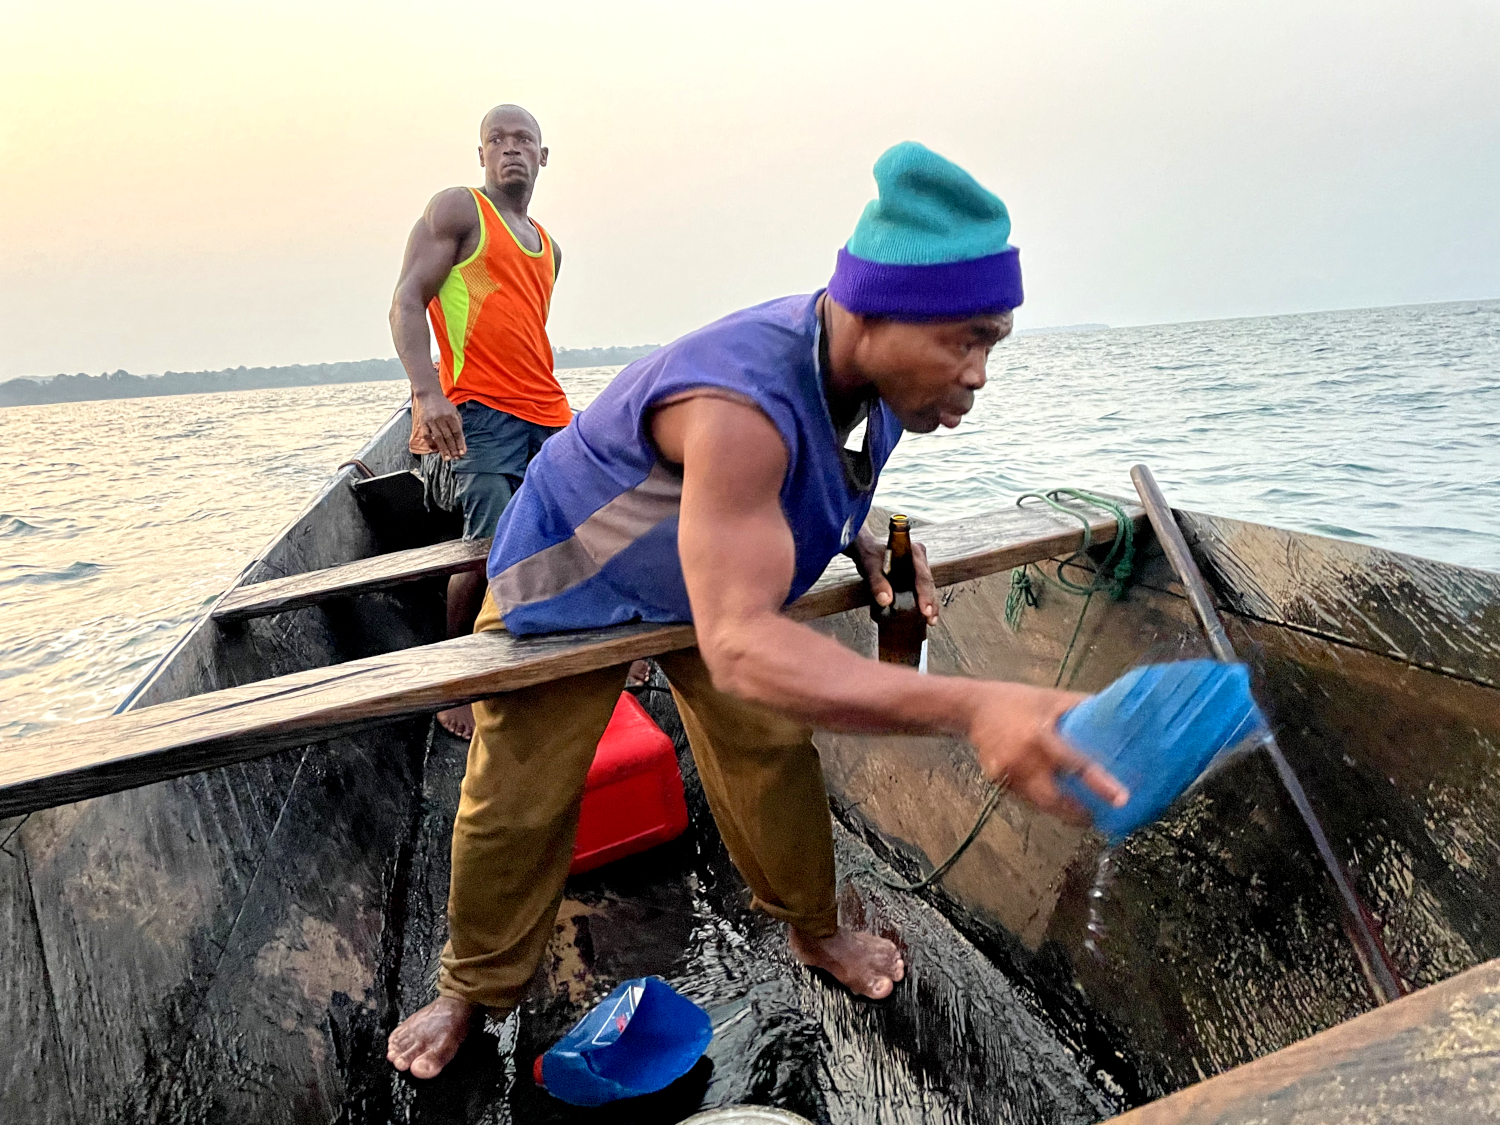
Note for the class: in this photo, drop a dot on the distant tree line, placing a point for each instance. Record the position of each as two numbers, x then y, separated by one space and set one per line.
601 357
122 384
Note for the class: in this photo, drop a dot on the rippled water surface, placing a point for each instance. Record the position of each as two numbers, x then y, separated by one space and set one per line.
120 520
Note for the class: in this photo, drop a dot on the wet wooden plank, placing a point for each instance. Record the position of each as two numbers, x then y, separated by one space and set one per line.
1432 1057
240 723
359 577
1434 614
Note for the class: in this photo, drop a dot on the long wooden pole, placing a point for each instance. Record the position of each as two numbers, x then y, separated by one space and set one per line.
1359 923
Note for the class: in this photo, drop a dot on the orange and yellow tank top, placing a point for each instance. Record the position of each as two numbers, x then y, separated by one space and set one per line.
490 319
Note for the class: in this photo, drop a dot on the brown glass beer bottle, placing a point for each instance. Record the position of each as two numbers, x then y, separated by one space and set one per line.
901 625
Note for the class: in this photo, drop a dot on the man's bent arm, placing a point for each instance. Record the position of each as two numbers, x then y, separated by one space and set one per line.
738 561
431 253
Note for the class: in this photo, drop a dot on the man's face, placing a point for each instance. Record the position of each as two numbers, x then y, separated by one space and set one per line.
928 373
511 149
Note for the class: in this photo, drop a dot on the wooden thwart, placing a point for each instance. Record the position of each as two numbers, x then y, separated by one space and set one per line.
241 723
360 577
1433 1056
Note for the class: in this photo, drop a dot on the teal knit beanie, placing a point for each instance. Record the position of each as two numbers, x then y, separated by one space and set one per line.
935 245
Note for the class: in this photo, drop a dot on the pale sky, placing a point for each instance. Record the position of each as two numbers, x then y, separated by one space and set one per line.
194 186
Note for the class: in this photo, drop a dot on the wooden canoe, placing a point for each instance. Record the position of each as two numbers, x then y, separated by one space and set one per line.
215 904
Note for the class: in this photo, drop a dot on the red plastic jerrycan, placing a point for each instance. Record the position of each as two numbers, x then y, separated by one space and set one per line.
633 798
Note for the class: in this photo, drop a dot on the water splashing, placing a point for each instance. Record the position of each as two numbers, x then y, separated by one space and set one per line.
1104 876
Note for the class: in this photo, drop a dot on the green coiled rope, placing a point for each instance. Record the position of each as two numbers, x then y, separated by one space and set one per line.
1111 574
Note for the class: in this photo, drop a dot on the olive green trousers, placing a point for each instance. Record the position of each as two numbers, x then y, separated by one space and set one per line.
518 815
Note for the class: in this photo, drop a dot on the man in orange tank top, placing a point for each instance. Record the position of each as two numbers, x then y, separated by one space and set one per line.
482 270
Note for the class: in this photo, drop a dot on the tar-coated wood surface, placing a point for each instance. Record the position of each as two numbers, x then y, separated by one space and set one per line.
33 1083
237 724
359 577
201 950
1431 1058
1417 610
1219 938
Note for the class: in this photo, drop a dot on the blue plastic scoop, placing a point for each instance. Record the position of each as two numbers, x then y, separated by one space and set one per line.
639 1039
1157 729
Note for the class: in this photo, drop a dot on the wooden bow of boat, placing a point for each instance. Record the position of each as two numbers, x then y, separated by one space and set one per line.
1213 937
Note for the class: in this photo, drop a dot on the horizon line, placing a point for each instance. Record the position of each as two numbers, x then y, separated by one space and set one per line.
1084 325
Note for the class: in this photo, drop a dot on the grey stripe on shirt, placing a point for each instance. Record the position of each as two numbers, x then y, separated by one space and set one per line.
594 542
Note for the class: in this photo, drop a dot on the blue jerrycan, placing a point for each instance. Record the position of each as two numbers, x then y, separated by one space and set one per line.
639 1039
1157 729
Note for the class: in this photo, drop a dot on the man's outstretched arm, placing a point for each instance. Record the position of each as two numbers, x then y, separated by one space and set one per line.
738 561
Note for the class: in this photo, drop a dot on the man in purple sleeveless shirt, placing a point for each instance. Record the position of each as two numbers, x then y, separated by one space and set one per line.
710 482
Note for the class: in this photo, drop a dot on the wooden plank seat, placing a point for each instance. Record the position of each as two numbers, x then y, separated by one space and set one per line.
237 724
380 572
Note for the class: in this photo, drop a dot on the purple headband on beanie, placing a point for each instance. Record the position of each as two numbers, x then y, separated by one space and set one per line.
945 291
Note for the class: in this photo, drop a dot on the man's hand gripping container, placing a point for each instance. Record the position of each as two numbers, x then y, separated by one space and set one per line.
1157 729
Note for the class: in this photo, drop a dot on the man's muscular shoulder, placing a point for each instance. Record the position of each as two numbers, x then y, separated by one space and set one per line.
451 213
728 432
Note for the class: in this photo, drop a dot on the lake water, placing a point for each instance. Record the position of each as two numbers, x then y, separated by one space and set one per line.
121 520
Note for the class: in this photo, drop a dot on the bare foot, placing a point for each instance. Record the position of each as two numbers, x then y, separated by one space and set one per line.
863 963
428 1039
639 673
458 720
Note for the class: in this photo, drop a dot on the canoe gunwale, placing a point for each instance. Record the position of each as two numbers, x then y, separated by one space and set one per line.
1430 614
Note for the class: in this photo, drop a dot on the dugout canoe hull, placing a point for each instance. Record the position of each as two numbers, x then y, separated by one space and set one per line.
1217 939
235 944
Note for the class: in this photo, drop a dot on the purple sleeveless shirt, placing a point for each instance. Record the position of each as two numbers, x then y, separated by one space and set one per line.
590 538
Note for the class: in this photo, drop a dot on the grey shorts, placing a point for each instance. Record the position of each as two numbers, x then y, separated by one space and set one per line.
482 481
